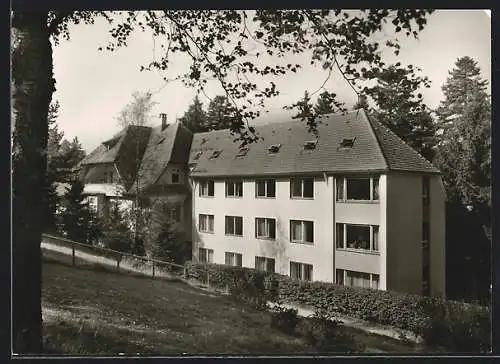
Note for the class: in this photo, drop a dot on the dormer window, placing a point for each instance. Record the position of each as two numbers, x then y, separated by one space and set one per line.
273 149
215 154
161 140
310 145
197 156
347 143
203 141
242 152
111 143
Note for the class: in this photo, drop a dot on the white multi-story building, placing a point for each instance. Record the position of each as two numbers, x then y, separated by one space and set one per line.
354 205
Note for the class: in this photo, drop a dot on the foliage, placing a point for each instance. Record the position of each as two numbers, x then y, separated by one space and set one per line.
333 38
162 239
464 153
195 118
325 332
456 329
138 111
62 158
284 319
224 46
398 104
400 310
324 104
220 113
117 234
77 221
464 157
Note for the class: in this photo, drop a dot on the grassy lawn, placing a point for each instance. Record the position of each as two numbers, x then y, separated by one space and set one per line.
97 311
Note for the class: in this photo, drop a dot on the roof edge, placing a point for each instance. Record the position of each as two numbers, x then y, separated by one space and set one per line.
370 124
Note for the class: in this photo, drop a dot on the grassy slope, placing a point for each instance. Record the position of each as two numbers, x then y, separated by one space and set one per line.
94 310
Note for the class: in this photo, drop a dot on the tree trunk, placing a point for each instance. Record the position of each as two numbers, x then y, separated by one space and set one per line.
32 88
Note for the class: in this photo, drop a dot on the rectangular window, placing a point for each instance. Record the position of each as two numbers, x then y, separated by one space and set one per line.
302 188
357 189
340 189
234 188
301 271
234 259
265 188
207 188
339 236
301 231
425 190
174 213
265 228
358 237
206 223
234 225
362 237
92 202
357 279
375 238
375 194
264 264
339 276
206 255
175 176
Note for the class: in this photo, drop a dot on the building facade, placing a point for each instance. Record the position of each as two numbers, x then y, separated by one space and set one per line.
146 164
355 205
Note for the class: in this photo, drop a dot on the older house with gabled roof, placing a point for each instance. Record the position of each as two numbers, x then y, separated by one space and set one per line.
145 162
354 205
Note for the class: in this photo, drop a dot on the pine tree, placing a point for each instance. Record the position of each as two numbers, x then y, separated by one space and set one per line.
464 157
220 114
400 107
195 118
75 216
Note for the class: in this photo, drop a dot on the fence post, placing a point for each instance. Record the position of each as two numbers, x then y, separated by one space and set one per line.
152 261
73 259
208 278
118 258
184 273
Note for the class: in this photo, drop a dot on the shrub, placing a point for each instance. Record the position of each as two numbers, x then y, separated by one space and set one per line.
284 319
411 312
456 327
324 332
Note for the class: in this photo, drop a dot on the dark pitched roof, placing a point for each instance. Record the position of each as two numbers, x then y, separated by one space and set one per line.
373 149
170 145
109 150
399 155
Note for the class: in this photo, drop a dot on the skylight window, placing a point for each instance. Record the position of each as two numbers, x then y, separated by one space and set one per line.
311 144
242 152
273 149
347 143
197 156
161 140
215 154
203 141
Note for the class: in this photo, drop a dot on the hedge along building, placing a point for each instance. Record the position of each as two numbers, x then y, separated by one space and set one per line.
354 205
142 163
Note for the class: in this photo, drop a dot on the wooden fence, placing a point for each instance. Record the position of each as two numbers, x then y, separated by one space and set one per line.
125 261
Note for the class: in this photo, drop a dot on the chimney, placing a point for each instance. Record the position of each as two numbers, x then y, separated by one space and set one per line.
164 124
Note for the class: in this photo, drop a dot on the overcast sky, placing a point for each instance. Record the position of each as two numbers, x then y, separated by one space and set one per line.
93 86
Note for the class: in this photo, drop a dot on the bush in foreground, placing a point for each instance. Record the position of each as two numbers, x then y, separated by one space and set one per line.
453 325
